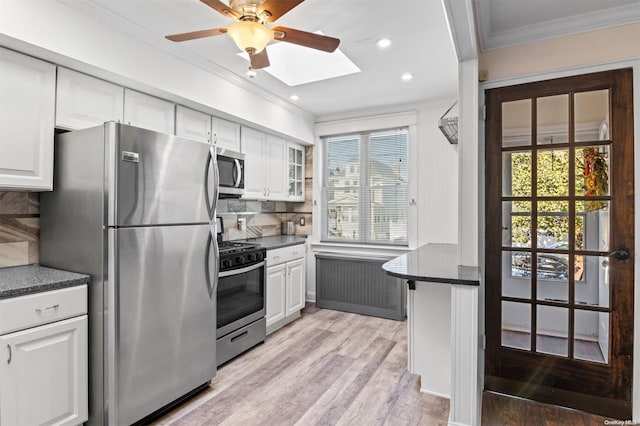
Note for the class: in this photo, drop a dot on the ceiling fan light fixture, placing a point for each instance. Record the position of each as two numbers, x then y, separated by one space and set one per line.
250 36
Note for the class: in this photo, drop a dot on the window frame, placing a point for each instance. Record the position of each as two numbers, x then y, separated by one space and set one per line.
363 189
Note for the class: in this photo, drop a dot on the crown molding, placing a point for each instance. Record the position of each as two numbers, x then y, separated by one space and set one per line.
586 22
95 10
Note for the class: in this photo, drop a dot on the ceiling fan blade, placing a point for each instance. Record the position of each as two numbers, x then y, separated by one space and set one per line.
303 38
259 60
277 8
196 34
221 8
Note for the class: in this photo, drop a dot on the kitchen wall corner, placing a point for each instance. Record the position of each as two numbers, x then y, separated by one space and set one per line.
19 228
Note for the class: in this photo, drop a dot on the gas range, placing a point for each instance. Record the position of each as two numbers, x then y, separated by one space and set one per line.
234 255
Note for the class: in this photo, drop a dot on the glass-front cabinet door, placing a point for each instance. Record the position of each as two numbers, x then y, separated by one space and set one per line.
295 159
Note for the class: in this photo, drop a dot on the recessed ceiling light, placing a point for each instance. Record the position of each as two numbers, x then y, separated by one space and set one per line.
407 76
294 97
251 73
383 43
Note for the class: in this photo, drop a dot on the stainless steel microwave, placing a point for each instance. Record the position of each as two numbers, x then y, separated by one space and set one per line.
231 170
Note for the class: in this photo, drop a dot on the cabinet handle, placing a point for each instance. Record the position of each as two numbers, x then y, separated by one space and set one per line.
9 360
56 306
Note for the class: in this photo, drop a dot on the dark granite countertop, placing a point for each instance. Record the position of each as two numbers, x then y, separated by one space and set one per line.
21 280
434 263
277 241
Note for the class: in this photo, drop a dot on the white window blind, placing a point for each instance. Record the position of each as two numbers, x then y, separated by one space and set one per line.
365 187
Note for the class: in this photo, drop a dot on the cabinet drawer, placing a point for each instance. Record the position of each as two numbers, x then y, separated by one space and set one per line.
285 254
22 312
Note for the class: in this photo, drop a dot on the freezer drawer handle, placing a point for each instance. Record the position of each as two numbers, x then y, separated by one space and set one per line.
240 336
56 306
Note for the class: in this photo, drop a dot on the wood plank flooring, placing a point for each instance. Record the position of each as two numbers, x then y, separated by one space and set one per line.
327 368
337 368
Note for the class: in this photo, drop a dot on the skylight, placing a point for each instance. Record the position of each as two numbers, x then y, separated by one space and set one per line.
295 65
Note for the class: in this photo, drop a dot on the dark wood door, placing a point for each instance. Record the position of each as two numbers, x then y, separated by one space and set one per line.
559 241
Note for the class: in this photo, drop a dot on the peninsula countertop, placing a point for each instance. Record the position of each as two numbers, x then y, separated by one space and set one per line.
22 280
433 263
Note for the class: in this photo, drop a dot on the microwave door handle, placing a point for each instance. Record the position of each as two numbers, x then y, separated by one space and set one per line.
237 171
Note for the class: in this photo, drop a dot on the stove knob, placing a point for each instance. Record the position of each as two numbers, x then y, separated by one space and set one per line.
259 256
240 260
251 257
226 263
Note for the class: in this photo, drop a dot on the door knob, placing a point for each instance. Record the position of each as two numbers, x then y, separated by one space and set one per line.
620 253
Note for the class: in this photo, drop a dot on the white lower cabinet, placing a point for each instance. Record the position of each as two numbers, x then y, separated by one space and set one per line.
43 369
285 285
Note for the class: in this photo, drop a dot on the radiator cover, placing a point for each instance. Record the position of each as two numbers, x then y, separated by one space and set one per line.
359 285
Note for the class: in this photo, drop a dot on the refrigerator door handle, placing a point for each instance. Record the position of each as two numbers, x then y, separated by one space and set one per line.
211 274
211 202
207 200
216 185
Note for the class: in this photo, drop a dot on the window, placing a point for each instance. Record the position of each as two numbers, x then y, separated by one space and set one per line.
365 187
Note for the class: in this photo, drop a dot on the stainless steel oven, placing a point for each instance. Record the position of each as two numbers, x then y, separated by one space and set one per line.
231 170
241 304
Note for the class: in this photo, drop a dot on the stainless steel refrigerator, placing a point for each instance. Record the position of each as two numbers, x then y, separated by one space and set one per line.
134 209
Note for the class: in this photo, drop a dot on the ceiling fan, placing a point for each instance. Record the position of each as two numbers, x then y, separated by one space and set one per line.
250 32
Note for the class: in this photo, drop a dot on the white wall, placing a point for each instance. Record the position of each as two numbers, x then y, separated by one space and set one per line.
52 31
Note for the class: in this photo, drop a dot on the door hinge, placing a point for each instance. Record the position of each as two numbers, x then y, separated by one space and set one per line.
483 112
484 341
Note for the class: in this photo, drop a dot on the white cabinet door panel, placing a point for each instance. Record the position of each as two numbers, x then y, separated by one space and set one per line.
27 93
43 374
295 286
276 168
226 134
149 112
83 101
253 145
276 293
191 124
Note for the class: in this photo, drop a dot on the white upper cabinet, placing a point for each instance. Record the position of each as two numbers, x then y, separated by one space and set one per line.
276 168
191 124
27 93
253 146
83 101
149 112
226 134
295 172
265 166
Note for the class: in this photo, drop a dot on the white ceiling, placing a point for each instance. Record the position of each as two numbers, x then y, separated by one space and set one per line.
505 23
418 28
421 46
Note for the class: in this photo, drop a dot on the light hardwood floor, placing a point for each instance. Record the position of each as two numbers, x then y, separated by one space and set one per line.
336 368
327 368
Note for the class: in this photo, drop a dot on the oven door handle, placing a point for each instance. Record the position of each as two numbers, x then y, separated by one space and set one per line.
241 271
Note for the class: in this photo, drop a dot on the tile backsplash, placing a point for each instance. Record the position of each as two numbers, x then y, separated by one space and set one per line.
19 228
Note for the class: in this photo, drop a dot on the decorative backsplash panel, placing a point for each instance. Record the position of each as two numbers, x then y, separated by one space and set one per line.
19 228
